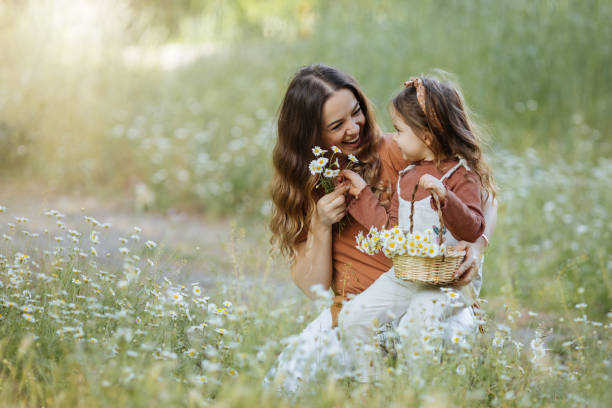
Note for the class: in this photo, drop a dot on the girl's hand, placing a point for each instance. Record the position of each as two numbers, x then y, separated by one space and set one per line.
468 268
331 208
429 182
356 182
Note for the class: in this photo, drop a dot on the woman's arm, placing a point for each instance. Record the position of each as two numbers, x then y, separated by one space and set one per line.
313 261
474 252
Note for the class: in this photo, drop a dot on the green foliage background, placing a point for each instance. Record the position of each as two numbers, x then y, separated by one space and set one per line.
103 108
172 104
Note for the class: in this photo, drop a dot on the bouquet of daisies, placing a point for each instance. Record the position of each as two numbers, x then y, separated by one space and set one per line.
393 242
328 168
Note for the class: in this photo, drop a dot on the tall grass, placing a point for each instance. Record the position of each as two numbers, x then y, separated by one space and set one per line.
89 104
78 330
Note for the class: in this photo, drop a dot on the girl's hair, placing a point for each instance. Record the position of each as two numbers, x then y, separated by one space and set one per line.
446 117
300 126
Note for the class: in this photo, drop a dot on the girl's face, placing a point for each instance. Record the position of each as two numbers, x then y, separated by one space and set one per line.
343 120
413 147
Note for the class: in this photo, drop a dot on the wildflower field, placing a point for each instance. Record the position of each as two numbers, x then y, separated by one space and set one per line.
159 122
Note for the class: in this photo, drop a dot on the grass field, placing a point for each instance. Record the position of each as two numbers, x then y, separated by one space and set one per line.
171 115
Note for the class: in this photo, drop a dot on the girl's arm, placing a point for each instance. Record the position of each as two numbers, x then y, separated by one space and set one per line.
460 205
365 207
312 264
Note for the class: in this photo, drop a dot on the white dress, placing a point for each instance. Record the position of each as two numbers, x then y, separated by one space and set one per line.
408 307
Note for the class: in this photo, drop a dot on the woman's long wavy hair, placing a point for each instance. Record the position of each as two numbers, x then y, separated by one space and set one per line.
447 118
300 126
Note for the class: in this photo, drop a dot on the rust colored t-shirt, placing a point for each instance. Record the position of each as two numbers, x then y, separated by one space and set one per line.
354 271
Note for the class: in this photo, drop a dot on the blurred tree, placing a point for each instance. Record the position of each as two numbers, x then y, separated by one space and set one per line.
237 19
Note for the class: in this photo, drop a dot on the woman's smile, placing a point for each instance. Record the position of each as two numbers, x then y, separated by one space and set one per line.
343 121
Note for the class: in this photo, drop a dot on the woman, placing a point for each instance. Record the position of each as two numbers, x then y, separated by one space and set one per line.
324 106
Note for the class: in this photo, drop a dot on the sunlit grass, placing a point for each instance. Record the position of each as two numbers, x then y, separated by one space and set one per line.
78 113
78 329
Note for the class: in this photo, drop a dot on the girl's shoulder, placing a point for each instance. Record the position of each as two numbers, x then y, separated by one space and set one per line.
458 172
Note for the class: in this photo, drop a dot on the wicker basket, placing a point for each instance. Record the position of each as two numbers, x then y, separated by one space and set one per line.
439 270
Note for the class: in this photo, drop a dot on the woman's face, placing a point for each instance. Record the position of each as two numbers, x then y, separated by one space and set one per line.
413 147
343 121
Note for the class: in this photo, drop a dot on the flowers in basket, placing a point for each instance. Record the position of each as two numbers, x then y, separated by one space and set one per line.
394 242
328 168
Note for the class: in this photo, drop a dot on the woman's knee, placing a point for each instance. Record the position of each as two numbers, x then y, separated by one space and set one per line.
354 316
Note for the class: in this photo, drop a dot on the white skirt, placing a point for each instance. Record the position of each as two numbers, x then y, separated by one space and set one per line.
405 307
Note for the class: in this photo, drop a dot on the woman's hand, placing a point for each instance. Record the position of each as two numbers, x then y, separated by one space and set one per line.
468 268
356 182
429 182
331 208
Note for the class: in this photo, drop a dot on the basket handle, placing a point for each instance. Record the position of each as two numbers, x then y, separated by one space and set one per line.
439 211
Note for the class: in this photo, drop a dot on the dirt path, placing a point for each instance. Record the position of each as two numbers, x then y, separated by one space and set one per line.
193 247
180 229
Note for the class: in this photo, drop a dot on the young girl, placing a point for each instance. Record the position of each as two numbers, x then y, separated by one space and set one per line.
434 132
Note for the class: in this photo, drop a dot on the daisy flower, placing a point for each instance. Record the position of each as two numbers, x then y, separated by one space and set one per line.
329 173
391 245
336 149
317 151
452 295
232 372
497 342
176 297
201 379
220 331
359 237
151 244
28 317
196 291
353 158
315 168
322 161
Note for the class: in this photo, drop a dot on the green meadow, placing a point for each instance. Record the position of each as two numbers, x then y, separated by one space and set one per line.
156 108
